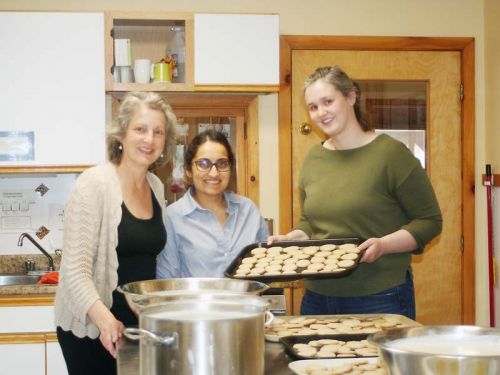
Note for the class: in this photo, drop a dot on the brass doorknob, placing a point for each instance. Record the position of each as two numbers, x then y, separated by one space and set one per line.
305 128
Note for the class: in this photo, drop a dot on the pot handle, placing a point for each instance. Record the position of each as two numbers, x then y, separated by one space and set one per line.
269 319
139 333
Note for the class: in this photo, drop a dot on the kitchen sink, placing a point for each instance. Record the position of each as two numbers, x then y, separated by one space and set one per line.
18 279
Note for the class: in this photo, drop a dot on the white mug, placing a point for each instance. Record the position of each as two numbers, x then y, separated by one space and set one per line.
142 70
126 74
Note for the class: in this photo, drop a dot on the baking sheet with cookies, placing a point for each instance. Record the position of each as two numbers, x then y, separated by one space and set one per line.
294 260
372 366
329 346
313 325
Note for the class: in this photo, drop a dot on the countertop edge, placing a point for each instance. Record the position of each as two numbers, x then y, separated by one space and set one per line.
27 299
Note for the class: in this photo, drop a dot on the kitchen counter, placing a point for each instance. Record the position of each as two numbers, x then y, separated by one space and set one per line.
276 360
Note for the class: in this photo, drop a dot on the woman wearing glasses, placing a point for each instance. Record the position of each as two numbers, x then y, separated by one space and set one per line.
208 226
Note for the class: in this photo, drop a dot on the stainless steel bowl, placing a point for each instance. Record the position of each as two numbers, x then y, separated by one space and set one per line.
440 350
142 294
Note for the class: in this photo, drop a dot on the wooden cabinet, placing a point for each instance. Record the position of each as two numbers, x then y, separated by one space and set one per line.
236 49
152 36
51 84
221 52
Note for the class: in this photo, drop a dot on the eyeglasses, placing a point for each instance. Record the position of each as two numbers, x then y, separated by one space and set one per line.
205 165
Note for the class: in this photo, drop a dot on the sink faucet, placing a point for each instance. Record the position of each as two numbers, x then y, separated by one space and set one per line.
49 257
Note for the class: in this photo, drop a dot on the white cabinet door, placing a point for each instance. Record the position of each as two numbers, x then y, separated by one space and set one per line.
55 360
241 49
52 88
19 319
22 359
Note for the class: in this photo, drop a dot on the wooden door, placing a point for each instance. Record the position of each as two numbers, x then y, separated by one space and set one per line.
438 273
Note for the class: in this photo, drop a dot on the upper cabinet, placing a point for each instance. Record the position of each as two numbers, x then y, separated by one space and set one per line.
204 52
140 41
236 49
52 111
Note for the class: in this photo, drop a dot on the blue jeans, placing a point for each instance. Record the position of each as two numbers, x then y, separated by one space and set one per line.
397 300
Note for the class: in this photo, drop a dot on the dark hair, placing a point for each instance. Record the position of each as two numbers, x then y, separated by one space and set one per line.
339 79
208 135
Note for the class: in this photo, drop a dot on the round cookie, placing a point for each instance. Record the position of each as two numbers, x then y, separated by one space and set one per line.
310 250
347 246
349 256
290 249
315 266
328 247
316 259
273 268
258 250
301 256
289 267
249 260
346 263
303 263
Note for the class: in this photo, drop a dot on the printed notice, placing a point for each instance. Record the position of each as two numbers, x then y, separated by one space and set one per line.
17 145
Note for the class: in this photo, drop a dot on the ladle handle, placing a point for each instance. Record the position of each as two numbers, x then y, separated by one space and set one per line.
139 333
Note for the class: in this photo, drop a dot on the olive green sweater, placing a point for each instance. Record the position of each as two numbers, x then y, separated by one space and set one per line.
370 191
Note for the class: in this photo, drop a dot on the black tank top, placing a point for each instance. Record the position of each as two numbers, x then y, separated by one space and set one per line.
139 243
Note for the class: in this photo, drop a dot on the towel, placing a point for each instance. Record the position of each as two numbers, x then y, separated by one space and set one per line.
49 278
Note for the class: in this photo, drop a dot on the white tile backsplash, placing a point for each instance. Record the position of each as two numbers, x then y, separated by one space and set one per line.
22 209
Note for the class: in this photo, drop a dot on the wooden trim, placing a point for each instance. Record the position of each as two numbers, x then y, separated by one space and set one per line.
252 144
496 179
380 43
237 88
51 337
27 300
466 46
285 136
43 169
22 338
199 100
468 182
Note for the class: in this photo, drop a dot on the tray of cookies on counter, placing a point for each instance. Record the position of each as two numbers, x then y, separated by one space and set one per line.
329 346
367 366
294 260
315 325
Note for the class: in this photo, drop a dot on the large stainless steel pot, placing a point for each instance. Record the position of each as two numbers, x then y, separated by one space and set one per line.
143 294
440 350
204 334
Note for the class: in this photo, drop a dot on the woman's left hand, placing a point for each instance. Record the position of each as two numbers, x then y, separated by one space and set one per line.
373 248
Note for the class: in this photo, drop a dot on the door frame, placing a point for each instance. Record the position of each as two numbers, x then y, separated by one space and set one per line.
466 47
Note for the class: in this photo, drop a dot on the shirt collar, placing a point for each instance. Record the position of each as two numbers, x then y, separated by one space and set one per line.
190 205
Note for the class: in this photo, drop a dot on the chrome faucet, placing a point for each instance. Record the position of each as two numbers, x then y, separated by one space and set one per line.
32 240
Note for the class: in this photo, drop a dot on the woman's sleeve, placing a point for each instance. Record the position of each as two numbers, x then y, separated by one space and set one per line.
82 221
168 265
303 223
418 199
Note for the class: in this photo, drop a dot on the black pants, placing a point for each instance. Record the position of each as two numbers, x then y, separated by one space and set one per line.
85 356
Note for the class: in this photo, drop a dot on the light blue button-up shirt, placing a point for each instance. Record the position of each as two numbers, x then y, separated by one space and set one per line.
198 246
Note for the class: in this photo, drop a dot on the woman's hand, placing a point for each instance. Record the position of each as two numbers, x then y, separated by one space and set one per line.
400 241
373 248
111 329
294 235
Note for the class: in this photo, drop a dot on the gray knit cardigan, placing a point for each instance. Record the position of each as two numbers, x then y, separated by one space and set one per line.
89 262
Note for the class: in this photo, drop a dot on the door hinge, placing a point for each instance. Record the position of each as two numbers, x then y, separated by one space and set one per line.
461 91
245 130
462 244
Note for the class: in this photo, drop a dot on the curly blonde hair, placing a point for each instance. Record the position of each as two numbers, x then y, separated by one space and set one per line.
131 102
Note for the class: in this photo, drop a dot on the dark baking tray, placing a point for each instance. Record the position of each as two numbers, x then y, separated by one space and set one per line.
290 341
231 269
